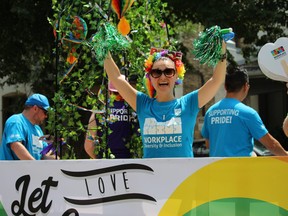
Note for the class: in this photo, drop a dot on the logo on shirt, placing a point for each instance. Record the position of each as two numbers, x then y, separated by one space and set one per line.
162 134
177 112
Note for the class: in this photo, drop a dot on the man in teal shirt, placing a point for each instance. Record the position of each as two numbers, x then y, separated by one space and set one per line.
230 126
22 134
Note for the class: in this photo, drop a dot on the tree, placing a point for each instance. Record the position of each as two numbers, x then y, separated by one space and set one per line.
27 39
76 80
28 54
246 17
26 44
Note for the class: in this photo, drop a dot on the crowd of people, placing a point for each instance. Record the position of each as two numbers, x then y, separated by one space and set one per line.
166 123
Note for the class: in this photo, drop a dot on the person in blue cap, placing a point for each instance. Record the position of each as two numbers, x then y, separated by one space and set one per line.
22 135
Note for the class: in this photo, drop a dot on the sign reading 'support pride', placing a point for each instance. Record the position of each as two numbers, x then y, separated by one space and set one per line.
146 187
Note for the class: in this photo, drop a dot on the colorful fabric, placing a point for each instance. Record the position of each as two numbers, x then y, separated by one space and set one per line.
120 7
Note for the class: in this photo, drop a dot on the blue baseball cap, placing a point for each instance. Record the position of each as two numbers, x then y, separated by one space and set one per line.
38 100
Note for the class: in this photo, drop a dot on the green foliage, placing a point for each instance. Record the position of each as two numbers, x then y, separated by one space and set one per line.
73 86
27 39
246 17
26 42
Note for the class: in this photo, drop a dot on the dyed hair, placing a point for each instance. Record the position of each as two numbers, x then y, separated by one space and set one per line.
236 78
155 55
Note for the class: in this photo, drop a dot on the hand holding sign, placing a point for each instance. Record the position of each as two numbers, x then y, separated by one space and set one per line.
273 59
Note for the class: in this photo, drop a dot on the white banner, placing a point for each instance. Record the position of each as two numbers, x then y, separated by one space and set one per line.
141 187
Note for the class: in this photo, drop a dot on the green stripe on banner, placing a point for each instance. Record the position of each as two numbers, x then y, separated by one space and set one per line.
237 207
2 210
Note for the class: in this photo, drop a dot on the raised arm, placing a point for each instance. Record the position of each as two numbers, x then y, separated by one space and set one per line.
124 88
91 135
210 88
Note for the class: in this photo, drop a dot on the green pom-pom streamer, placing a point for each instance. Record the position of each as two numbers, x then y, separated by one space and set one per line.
107 39
207 47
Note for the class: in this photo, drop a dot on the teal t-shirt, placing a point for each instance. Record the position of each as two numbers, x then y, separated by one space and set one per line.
19 128
167 128
231 126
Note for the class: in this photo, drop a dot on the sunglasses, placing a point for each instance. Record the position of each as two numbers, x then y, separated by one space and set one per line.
156 73
45 111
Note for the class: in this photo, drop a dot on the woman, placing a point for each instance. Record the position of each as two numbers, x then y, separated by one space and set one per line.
167 124
122 125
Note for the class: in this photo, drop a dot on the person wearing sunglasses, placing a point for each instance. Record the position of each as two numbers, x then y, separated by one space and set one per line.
166 123
22 136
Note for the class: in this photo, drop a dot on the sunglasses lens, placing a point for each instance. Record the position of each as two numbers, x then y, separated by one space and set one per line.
169 72
156 73
44 111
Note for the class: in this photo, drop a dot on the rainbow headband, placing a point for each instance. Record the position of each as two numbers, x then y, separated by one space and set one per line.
156 54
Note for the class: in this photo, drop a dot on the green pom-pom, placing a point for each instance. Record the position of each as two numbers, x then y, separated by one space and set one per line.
107 39
207 47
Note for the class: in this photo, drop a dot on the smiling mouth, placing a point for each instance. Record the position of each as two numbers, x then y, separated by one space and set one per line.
163 84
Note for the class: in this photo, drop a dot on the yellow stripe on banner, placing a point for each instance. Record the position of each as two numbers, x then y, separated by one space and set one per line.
262 178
